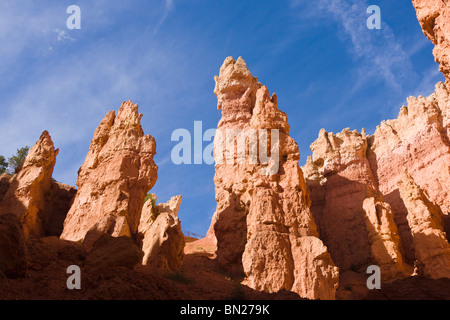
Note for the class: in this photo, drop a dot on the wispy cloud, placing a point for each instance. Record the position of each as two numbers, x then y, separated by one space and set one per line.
71 85
378 52
168 7
63 35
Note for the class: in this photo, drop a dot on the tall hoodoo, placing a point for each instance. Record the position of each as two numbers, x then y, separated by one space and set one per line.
262 224
27 190
114 179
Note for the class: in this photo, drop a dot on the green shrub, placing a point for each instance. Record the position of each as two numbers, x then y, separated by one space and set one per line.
149 196
15 162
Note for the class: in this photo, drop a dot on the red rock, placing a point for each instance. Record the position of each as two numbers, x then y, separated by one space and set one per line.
354 222
114 251
58 202
425 219
162 239
416 140
27 191
13 259
4 184
114 179
434 17
262 224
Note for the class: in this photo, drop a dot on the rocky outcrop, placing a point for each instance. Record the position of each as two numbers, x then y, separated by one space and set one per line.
28 189
419 141
13 260
263 226
434 17
114 179
354 222
353 179
429 242
160 230
114 251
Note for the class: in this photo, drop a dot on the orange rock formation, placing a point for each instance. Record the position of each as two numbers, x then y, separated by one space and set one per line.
114 179
263 225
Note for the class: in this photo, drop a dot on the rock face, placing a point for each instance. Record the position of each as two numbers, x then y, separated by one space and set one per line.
27 191
162 239
366 209
262 224
13 261
354 183
354 222
114 179
419 141
114 251
4 184
434 17
430 245
58 201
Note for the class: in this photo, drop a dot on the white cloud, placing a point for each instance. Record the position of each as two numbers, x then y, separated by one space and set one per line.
378 52
168 7
63 35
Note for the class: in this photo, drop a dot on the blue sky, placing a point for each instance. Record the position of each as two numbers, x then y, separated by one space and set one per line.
328 70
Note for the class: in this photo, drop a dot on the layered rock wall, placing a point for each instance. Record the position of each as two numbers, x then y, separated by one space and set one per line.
419 141
354 178
354 221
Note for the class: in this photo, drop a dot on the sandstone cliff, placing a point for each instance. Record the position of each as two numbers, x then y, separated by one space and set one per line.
354 221
355 178
349 167
114 179
419 141
262 224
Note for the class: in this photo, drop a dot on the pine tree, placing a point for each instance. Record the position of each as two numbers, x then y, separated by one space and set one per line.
15 162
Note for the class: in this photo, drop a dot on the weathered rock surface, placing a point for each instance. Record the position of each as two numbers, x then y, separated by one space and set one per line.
47 251
419 141
354 222
262 224
384 239
27 190
434 17
354 184
114 251
114 179
162 239
58 201
429 241
4 184
13 261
